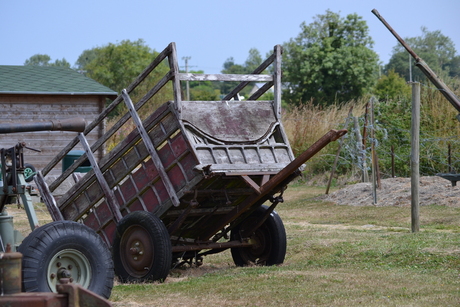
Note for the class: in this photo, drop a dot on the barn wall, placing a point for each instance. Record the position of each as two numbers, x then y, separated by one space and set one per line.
42 108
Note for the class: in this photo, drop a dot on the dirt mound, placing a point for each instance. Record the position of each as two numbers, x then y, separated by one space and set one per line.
433 190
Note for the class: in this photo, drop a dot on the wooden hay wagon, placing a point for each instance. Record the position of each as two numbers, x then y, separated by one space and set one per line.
190 179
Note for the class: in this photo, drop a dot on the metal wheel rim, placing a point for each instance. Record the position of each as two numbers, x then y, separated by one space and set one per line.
69 263
136 251
28 172
259 252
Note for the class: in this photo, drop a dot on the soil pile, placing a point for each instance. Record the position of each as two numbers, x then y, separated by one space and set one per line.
433 190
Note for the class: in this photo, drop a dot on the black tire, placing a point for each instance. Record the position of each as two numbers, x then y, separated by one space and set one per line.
142 248
29 172
270 238
66 249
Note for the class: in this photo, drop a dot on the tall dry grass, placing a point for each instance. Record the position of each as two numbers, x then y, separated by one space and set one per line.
307 123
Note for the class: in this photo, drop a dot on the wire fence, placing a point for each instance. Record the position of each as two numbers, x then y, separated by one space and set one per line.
392 146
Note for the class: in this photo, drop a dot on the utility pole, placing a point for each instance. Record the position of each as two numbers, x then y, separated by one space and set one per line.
186 58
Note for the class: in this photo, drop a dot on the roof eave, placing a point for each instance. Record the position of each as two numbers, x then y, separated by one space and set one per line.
61 93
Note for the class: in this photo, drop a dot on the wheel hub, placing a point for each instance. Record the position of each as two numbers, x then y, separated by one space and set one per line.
137 250
69 264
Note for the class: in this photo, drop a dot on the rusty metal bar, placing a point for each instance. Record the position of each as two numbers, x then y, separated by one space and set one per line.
448 94
213 245
72 124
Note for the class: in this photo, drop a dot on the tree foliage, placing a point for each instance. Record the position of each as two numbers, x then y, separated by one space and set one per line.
117 65
44 60
392 86
330 60
230 67
202 90
436 49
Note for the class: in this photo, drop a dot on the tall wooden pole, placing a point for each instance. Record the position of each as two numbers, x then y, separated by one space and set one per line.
415 157
373 154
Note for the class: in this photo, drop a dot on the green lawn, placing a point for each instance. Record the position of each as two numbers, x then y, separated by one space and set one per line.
336 256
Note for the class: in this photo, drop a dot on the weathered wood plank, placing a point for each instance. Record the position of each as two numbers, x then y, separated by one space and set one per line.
116 153
226 77
151 149
109 196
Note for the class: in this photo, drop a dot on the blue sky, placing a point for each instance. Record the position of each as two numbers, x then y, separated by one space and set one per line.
208 31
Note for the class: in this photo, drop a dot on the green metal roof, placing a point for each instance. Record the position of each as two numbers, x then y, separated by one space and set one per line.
51 80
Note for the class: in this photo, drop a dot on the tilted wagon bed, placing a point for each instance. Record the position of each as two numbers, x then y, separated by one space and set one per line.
189 179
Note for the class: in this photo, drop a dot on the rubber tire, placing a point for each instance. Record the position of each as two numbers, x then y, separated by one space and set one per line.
271 238
41 246
29 172
149 232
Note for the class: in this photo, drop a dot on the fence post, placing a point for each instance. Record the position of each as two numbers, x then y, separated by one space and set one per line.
375 170
415 157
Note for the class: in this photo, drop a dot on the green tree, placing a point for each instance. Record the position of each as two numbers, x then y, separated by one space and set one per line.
44 60
117 65
202 90
436 49
330 60
230 67
84 59
253 61
392 86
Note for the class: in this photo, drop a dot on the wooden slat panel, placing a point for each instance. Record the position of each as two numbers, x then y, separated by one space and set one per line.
104 213
128 189
92 221
150 199
137 206
108 232
115 155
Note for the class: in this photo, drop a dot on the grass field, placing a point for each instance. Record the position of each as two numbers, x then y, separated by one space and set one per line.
336 256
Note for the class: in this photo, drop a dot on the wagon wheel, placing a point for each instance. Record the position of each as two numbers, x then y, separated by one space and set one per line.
66 249
142 248
29 172
269 240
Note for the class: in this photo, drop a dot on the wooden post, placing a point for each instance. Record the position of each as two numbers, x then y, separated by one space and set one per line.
415 157
373 155
393 171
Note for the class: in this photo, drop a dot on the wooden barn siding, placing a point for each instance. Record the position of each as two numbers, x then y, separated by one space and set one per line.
41 108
